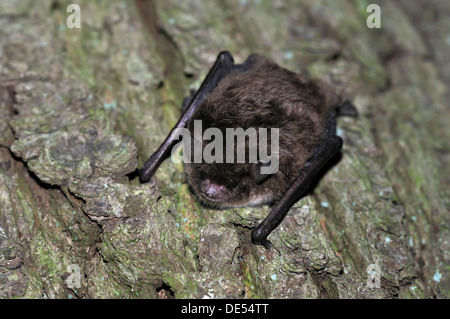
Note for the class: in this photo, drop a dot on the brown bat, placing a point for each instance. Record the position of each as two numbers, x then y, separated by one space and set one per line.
258 94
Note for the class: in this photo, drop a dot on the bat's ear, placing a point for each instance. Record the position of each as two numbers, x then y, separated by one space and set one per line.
251 61
347 109
255 171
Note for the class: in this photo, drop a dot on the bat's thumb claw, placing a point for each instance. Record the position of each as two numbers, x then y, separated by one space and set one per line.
267 244
226 57
260 241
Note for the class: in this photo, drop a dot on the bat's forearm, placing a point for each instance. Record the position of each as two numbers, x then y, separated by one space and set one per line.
296 191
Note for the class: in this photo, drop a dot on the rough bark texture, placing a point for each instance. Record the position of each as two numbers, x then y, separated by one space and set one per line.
81 109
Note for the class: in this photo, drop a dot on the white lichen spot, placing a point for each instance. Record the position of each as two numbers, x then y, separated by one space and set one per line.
437 276
288 55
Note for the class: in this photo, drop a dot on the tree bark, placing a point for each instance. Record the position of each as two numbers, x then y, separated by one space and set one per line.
81 109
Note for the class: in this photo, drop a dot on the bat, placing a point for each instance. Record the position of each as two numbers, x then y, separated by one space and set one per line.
255 96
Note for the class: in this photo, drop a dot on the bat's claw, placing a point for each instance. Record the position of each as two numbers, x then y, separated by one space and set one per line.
226 57
267 244
260 241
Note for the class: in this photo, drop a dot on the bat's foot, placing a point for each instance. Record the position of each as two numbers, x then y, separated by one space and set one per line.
261 241
267 244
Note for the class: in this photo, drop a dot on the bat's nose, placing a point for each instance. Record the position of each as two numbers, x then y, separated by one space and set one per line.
213 190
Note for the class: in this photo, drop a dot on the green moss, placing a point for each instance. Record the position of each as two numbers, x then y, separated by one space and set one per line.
130 78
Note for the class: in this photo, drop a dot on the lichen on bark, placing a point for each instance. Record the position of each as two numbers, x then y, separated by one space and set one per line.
81 109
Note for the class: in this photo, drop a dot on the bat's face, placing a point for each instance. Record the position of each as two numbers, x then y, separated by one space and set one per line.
224 176
224 185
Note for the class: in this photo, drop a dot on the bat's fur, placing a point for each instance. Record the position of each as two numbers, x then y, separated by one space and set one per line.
265 96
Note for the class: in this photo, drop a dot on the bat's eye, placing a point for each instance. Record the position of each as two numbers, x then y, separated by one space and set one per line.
256 173
213 190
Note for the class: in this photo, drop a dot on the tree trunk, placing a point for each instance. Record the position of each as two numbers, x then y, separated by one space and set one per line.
82 108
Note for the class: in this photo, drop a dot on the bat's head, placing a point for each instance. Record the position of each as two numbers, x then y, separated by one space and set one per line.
252 169
233 166
224 185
